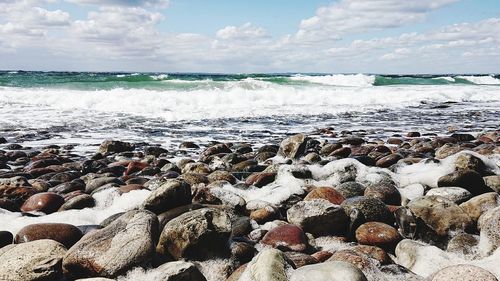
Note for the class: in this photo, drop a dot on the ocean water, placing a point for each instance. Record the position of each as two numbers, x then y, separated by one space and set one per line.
40 108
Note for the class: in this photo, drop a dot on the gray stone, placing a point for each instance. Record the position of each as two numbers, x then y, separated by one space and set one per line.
36 260
328 271
178 271
455 194
268 265
489 224
126 242
319 217
462 272
293 147
173 193
196 234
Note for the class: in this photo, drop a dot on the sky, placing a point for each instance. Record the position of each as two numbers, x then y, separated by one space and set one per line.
251 36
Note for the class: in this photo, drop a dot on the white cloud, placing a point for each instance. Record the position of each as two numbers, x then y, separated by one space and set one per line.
244 32
132 3
352 16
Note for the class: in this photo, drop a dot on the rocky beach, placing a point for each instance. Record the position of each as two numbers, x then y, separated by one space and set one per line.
327 204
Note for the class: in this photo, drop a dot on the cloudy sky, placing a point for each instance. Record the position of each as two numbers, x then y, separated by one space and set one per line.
342 36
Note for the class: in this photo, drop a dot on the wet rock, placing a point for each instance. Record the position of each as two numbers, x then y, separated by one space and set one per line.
439 214
467 161
167 216
464 272
477 205
94 184
388 193
322 256
377 234
319 217
447 150
111 146
194 179
36 260
260 179
178 271
342 152
126 242
286 237
358 260
268 265
389 160
468 179
328 271
154 150
173 193
46 202
130 187
196 234
242 252
327 193
78 202
212 150
222 175
463 243
371 209
490 232
293 147
265 214
133 167
196 167
300 259
9 205
6 238
188 145
329 148
493 182
455 194
463 137
65 234
351 189
67 187
372 252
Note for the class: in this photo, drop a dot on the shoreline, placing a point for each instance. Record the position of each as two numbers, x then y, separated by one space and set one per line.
279 206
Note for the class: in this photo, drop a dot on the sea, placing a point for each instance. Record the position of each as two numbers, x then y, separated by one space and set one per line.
84 108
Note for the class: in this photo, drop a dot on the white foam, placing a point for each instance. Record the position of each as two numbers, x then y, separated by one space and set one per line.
481 80
108 203
346 80
447 78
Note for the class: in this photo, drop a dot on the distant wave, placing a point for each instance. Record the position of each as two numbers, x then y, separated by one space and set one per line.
481 80
348 80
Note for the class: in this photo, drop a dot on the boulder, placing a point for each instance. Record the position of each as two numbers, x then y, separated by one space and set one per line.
173 193
328 271
268 265
65 234
293 147
111 146
196 234
319 217
286 237
126 242
468 179
46 202
36 260
439 214
377 234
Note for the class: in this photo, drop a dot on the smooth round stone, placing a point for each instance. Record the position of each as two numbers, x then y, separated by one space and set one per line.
319 217
300 259
322 256
342 152
455 194
468 179
260 179
463 272
477 205
351 189
439 214
265 214
388 193
286 237
328 271
293 146
327 193
463 243
222 175
65 234
46 202
372 252
358 260
241 251
377 234
489 224
6 238
78 202
173 193
36 260
389 160
493 182
372 209
127 242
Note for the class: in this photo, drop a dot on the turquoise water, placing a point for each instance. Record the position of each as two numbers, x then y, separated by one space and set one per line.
194 81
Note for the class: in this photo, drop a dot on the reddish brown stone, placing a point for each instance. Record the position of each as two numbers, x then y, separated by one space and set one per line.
341 152
65 234
286 237
129 187
388 160
377 234
265 214
360 261
135 166
322 256
47 202
388 193
327 193
300 259
260 179
373 252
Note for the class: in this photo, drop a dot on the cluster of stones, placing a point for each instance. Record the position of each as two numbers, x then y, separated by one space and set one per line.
188 217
